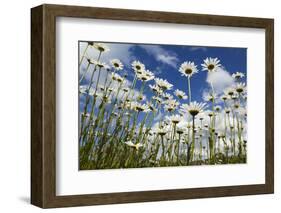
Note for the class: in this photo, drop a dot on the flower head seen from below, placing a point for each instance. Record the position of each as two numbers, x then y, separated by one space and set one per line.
217 108
140 107
116 64
91 60
210 97
163 84
229 91
175 119
84 89
138 67
211 64
167 96
180 94
161 131
155 89
240 87
99 64
101 47
145 75
117 77
224 98
171 105
193 108
188 68
238 75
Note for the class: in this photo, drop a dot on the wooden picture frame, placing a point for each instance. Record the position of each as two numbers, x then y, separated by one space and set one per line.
43 105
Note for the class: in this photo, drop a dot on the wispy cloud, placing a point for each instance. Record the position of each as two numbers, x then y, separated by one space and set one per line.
161 55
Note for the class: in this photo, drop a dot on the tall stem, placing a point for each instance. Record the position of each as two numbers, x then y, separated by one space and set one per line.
83 55
189 89
193 136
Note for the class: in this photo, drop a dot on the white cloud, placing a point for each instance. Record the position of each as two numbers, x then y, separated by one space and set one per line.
168 59
161 55
221 79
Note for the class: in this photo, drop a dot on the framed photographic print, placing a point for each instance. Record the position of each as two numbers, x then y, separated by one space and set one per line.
136 106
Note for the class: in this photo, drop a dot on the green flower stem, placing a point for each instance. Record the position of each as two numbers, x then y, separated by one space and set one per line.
82 133
141 128
178 149
213 136
84 74
189 89
163 147
233 131
231 140
201 141
83 55
192 145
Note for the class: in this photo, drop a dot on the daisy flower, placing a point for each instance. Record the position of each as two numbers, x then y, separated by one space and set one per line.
117 77
99 64
155 89
163 84
116 64
126 89
240 87
229 91
211 64
224 97
91 61
140 107
188 68
145 75
193 108
83 89
180 130
138 67
218 108
180 94
167 96
157 99
238 75
171 105
201 116
235 96
101 47
161 131
175 119
227 110
85 115
210 97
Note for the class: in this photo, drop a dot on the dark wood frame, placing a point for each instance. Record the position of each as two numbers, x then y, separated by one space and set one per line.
43 105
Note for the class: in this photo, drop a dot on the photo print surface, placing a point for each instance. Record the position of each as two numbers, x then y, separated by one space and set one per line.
153 105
